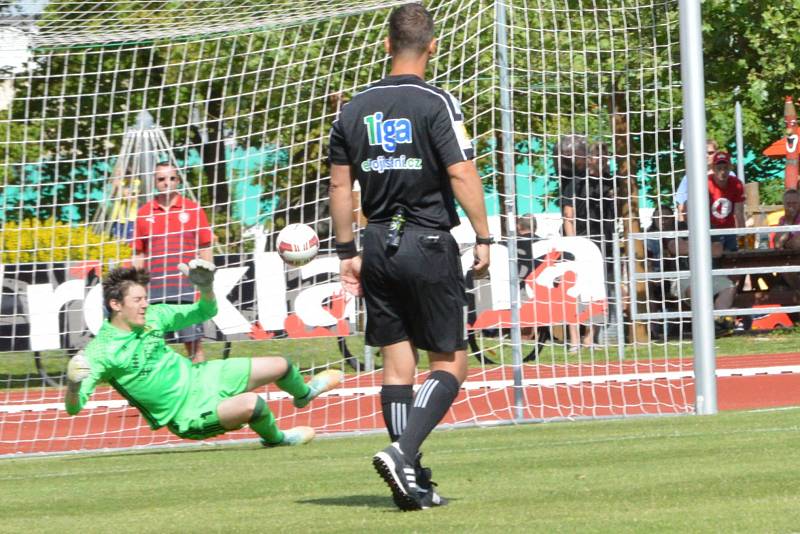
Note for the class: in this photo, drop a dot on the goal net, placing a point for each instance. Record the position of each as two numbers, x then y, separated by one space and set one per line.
237 98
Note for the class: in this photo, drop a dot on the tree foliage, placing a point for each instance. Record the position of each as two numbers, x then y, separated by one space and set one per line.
751 53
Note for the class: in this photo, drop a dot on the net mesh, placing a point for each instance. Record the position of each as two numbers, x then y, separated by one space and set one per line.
239 97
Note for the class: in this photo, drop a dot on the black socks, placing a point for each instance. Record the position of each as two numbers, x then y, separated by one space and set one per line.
431 403
396 403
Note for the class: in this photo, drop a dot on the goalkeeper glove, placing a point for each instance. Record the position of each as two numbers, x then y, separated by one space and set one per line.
78 368
200 273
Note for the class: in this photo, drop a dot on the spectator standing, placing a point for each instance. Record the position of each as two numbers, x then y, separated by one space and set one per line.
571 165
571 160
682 194
172 229
589 209
124 207
726 200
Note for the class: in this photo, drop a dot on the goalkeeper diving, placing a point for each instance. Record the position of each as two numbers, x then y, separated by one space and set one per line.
194 401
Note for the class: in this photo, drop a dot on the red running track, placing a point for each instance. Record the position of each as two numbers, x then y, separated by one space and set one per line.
34 425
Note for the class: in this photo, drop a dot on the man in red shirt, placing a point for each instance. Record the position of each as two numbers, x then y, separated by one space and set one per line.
682 194
726 198
172 229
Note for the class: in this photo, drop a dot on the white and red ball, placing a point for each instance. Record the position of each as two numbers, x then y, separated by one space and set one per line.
298 244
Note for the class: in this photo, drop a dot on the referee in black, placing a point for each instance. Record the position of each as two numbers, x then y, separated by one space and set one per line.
405 142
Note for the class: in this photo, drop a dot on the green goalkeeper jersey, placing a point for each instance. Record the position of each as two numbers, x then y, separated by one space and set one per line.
139 364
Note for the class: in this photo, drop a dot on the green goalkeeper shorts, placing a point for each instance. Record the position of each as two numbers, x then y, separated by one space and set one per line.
211 383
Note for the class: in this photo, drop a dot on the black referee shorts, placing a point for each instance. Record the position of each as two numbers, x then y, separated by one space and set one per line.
416 292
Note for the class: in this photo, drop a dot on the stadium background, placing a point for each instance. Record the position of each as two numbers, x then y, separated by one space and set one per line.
241 96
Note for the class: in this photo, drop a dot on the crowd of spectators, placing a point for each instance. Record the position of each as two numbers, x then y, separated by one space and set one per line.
726 211
590 206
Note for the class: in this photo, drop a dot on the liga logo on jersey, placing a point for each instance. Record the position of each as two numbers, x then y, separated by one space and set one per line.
387 133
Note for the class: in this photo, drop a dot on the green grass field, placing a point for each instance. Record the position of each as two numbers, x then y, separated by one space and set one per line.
734 472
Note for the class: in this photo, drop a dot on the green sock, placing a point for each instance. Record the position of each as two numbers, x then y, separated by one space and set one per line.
263 423
292 382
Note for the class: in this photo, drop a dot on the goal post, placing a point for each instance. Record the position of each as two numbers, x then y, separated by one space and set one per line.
239 97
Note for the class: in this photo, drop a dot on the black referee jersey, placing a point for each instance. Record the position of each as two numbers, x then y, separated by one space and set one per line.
399 136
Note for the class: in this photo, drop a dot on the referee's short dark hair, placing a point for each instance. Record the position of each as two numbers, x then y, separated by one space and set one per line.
117 282
410 29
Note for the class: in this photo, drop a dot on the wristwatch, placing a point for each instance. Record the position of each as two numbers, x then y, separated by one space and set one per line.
484 240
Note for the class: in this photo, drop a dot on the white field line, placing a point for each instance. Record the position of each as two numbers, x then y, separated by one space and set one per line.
468 386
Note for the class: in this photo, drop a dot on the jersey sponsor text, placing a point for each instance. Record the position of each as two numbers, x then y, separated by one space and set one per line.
389 133
381 164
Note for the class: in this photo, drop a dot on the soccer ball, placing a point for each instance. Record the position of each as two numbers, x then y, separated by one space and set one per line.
298 244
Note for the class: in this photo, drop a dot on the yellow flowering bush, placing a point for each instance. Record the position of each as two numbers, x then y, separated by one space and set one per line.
44 241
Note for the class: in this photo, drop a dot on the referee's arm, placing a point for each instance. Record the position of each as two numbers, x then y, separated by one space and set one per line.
341 202
468 190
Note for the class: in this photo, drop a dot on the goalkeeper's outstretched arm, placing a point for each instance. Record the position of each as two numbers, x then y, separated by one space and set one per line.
172 317
200 273
81 381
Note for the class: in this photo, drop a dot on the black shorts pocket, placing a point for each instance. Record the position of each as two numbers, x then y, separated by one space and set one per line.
431 242
433 258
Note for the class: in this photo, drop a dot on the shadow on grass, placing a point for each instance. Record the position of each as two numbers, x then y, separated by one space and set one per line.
371 501
160 451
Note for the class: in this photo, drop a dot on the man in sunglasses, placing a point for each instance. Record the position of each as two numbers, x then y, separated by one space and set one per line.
726 199
170 230
682 194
